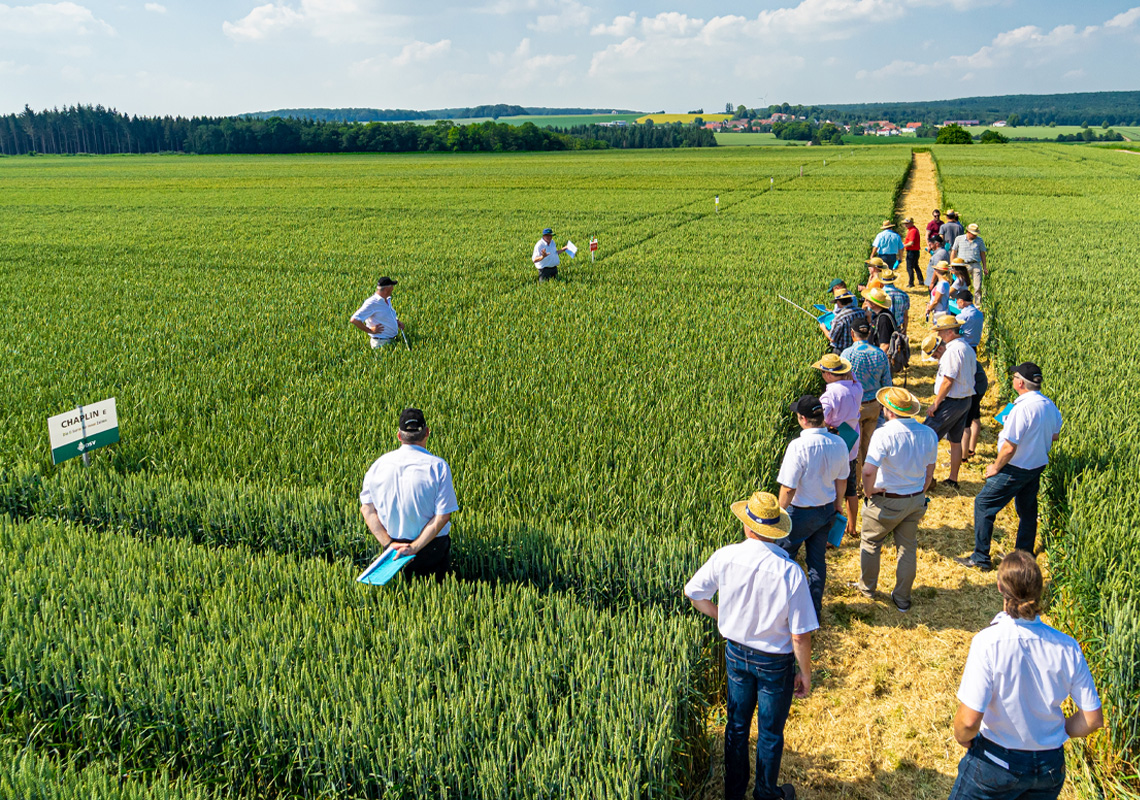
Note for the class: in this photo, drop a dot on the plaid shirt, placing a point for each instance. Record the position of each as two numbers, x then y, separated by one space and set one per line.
841 328
900 303
870 367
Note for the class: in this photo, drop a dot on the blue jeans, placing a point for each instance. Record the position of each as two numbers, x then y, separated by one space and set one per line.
1012 483
1031 775
809 528
756 679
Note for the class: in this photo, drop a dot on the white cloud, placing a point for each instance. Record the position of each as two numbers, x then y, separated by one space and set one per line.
11 68
332 20
51 20
1124 19
671 23
263 21
421 51
157 8
571 14
621 26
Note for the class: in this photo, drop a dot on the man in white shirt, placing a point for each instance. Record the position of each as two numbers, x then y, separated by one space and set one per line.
766 614
954 389
896 474
407 499
1030 429
813 480
545 255
1018 674
376 317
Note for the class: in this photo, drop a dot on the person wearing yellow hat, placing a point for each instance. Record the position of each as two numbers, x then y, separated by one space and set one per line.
887 244
912 246
940 292
896 474
842 406
883 326
939 251
765 613
954 390
900 300
846 313
972 250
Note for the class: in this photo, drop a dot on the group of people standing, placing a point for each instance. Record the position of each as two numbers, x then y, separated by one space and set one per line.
862 436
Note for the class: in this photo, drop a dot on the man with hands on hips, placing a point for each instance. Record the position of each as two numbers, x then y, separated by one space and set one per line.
376 317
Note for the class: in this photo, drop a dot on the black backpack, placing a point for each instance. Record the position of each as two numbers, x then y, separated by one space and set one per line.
898 352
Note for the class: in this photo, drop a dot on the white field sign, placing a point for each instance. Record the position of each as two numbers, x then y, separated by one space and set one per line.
75 432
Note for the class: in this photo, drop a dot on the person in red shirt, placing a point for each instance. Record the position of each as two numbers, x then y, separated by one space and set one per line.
912 247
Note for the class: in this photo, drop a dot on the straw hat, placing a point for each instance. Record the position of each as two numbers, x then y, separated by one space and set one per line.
888 275
878 297
946 322
843 294
908 221
836 365
958 262
931 343
942 266
972 227
899 400
761 514
876 262
886 224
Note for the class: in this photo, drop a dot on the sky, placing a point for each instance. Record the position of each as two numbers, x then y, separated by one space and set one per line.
218 57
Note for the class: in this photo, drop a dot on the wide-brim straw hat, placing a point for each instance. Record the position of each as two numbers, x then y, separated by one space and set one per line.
842 294
836 365
899 400
888 275
908 221
946 322
878 297
972 227
761 514
876 262
958 262
886 224
942 266
931 343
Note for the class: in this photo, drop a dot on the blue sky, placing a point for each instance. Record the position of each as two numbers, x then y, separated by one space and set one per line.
230 56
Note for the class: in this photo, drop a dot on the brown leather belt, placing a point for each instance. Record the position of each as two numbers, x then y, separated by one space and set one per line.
894 496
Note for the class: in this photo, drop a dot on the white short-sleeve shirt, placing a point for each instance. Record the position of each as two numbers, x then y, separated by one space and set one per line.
764 596
551 257
1031 425
377 310
408 487
902 450
812 464
958 364
1017 675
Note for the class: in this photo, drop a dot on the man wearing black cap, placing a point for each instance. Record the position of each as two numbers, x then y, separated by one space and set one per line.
545 256
813 481
1030 429
407 499
376 317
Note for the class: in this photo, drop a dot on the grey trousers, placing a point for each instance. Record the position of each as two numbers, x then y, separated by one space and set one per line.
883 516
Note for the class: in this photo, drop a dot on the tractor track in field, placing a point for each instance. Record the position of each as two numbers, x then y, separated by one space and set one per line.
878 722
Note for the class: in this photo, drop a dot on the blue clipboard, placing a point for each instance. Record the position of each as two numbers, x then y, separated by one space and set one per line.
384 568
954 308
999 418
848 434
838 528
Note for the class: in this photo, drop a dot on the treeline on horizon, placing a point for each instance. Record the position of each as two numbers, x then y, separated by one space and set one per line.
98 131
1079 108
407 114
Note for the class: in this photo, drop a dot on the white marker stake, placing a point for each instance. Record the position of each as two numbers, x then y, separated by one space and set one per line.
771 181
716 201
801 170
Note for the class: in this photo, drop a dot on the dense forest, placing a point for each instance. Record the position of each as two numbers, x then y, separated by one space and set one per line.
1086 108
407 114
96 130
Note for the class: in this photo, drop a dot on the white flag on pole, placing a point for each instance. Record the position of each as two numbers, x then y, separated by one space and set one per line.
571 249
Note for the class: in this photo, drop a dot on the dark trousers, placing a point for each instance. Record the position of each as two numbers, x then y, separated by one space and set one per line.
1028 774
764 680
546 273
913 273
433 561
1012 483
809 528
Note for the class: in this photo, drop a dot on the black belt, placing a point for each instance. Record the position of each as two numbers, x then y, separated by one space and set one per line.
761 653
894 496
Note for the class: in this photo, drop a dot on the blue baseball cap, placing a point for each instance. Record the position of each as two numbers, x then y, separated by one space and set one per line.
547 232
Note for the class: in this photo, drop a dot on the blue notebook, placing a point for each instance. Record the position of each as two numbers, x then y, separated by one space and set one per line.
848 434
1001 415
835 535
384 568
826 319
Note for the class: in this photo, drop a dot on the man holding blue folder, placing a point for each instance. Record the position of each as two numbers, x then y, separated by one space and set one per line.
408 498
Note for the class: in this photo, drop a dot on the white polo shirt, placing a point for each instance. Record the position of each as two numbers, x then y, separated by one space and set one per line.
377 310
812 464
902 450
408 487
551 257
1031 425
764 596
1017 675
958 363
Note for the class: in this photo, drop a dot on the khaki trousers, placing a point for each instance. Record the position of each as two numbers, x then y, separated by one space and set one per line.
868 420
883 516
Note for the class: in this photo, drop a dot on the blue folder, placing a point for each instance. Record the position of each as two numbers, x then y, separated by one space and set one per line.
835 535
1001 415
384 568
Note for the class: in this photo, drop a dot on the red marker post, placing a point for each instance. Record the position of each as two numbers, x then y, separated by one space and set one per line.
593 248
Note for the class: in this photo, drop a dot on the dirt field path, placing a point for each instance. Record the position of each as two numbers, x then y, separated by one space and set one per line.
878 721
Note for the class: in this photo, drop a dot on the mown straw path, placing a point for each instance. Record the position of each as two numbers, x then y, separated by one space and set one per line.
878 721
